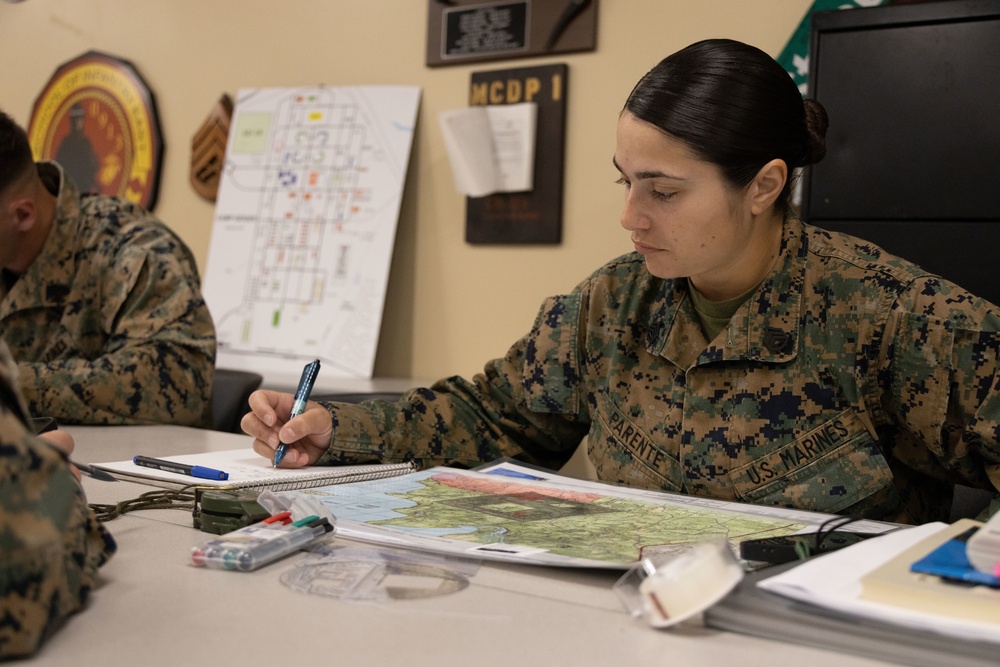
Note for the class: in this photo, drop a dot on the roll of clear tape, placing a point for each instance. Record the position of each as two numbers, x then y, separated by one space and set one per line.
669 589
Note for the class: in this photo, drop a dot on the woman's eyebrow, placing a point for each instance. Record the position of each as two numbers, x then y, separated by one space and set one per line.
648 174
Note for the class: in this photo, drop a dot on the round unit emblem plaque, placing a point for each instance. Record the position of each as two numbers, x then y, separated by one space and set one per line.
97 118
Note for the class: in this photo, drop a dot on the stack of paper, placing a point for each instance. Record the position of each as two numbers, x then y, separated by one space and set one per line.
935 576
753 611
841 581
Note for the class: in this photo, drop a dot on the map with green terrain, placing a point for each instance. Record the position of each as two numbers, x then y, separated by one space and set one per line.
521 513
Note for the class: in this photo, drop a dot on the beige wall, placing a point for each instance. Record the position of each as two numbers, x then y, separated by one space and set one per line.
450 306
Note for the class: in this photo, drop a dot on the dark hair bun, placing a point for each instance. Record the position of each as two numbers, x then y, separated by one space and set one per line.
816 125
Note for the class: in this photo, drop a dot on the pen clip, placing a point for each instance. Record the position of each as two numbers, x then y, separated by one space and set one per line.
283 517
306 521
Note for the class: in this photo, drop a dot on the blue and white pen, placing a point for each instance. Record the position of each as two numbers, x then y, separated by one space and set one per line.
306 383
180 468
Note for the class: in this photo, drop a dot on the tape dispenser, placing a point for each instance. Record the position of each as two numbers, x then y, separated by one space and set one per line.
670 588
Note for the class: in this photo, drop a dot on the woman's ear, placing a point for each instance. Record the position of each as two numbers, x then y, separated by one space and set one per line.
767 185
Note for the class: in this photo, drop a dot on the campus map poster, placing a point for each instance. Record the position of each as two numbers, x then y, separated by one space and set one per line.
305 222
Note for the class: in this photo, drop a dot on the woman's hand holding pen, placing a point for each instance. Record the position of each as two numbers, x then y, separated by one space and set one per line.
307 435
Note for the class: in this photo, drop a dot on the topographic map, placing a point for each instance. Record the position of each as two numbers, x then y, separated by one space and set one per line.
305 224
509 512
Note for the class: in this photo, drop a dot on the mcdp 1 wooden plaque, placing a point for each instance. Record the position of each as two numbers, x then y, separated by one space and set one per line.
534 216
98 119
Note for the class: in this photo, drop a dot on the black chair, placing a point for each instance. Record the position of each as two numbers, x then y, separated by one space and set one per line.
230 394
968 503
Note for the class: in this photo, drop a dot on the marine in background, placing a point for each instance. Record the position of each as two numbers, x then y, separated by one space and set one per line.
100 302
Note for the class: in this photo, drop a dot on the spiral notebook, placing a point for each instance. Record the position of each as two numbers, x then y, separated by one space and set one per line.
248 470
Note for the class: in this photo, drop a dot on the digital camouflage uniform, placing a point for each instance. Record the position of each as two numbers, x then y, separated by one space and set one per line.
108 325
849 382
50 543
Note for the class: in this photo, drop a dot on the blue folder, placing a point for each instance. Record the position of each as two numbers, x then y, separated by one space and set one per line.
950 561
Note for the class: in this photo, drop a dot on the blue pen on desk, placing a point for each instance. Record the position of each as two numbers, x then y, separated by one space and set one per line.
306 383
180 468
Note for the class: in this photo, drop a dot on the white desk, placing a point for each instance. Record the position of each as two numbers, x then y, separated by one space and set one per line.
155 609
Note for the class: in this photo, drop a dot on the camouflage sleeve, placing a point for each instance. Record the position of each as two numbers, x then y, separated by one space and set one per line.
526 405
157 365
50 543
941 383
